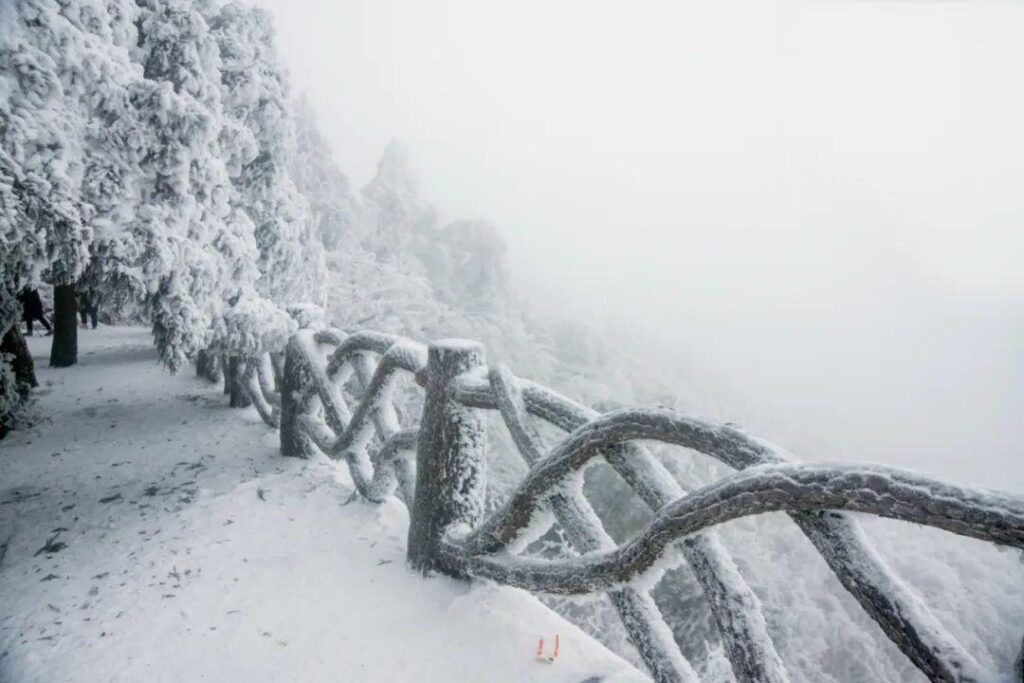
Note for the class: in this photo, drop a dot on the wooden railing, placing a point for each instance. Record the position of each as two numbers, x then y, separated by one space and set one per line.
438 467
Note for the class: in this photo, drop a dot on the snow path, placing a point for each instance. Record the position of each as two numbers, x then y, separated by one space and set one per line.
181 547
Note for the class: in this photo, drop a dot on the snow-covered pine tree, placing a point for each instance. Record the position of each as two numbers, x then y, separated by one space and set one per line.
113 152
255 96
399 221
192 240
466 263
336 213
44 56
40 227
98 78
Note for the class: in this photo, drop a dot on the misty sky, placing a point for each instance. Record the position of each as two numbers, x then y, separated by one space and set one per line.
820 202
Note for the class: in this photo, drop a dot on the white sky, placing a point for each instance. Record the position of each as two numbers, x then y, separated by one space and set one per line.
821 201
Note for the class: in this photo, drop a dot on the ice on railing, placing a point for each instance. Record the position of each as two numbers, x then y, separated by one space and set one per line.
735 608
254 383
886 492
850 558
341 434
815 496
394 467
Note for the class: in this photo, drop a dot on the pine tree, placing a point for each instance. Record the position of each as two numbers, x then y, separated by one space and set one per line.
336 213
399 221
40 226
255 91
188 239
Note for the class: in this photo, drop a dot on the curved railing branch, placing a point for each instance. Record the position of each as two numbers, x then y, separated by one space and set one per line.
640 617
882 491
346 435
254 389
621 426
336 411
373 411
734 606
591 440
359 343
394 467
899 611
445 493
267 381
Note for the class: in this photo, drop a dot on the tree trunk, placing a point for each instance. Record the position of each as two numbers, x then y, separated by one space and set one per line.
24 368
64 351
13 343
239 399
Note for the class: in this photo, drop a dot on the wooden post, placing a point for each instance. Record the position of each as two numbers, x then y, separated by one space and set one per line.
294 382
239 399
22 364
450 455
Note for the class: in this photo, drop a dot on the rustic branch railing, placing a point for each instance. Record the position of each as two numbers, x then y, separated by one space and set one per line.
439 470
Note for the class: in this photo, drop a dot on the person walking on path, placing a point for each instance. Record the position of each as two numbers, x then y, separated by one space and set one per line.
88 306
32 310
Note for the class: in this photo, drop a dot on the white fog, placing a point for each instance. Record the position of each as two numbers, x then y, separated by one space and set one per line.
819 203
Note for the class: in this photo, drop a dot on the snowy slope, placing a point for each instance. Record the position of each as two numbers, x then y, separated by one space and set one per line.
153 534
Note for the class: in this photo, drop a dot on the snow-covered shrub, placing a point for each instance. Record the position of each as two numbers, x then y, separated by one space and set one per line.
255 325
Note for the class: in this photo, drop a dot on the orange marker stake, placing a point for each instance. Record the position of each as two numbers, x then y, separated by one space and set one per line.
542 657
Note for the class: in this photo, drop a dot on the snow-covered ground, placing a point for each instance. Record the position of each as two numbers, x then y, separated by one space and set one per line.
154 534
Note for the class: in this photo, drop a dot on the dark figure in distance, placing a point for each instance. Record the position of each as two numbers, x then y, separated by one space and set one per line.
88 306
32 310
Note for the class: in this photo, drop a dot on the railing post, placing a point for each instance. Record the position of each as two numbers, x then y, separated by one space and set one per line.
450 455
295 380
239 399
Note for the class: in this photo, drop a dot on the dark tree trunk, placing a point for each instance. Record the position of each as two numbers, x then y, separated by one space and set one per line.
64 351
226 366
239 399
24 368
